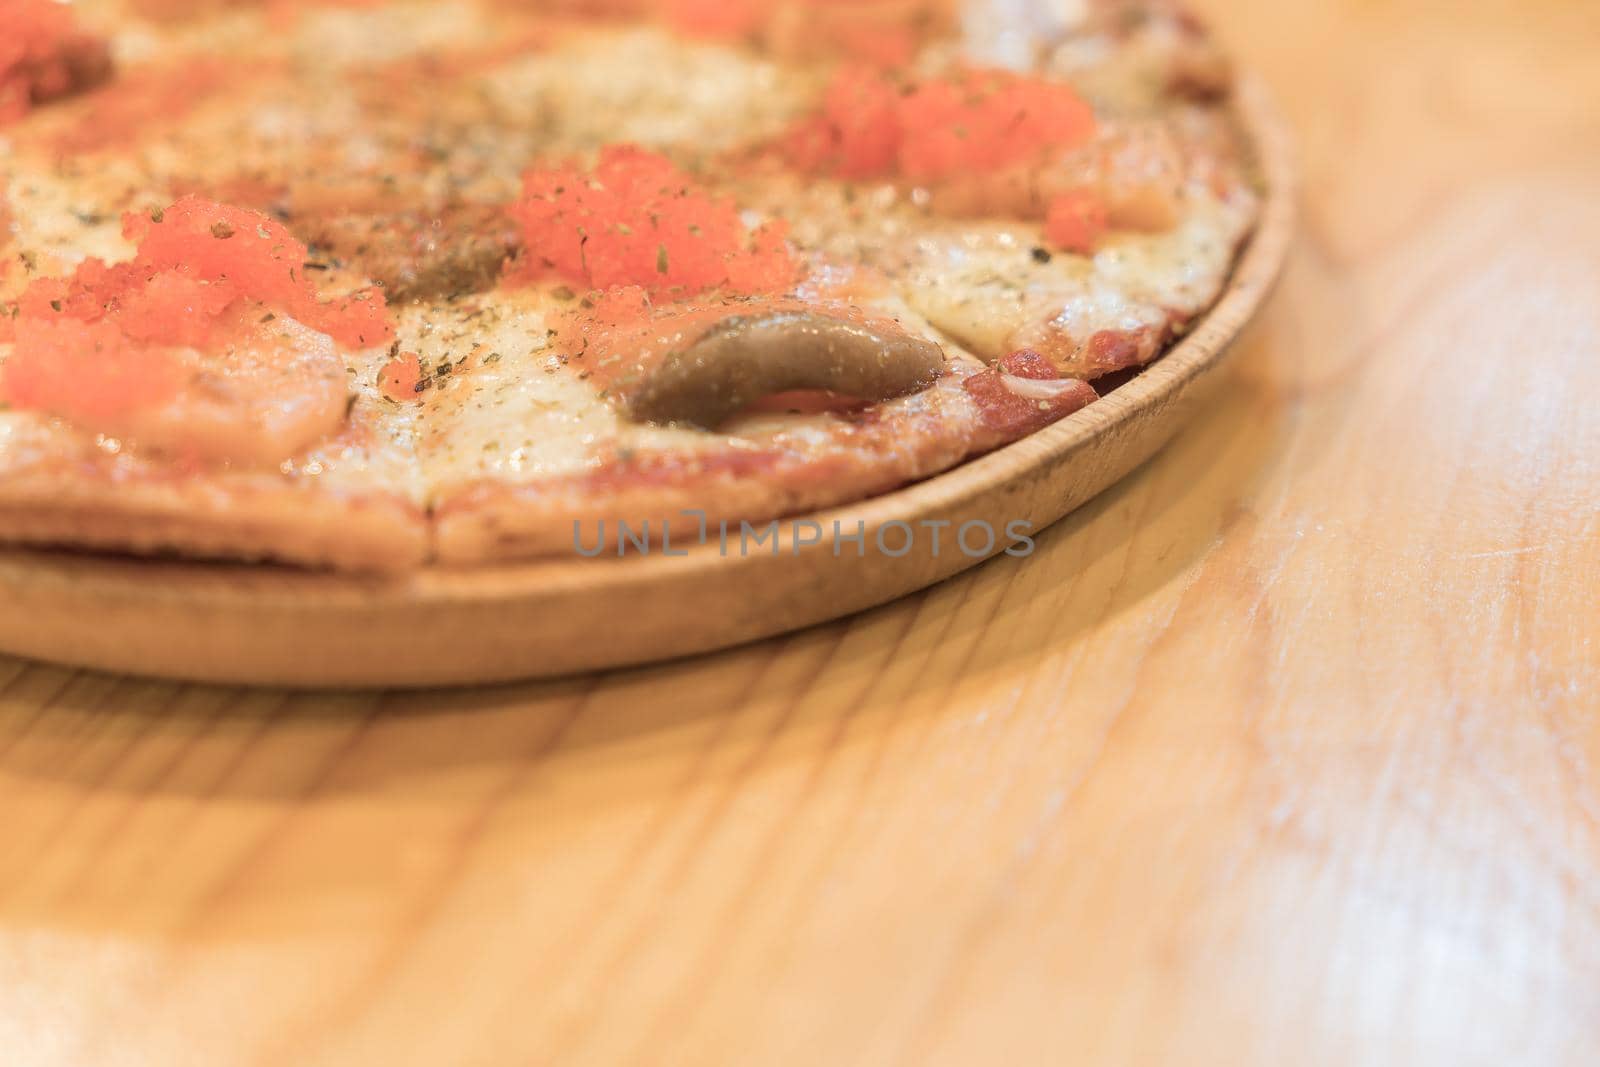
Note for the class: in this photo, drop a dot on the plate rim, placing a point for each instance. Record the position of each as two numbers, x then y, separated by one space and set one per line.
224 587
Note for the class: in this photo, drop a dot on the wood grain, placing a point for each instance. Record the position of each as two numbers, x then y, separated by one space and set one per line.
1284 750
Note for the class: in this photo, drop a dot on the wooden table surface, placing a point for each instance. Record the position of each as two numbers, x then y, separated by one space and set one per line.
1287 750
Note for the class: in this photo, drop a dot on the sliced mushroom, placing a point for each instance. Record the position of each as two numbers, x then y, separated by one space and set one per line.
747 357
78 62
418 255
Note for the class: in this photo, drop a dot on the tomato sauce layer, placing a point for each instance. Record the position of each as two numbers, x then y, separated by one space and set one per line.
112 339
871 126
637 220
975 139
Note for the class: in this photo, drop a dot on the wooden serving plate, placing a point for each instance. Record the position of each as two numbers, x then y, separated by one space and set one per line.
275 626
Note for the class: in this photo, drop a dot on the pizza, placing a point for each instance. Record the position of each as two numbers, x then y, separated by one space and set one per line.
371 285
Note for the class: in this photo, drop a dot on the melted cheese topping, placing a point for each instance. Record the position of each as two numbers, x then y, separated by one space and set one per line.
318 111
986 287
648 87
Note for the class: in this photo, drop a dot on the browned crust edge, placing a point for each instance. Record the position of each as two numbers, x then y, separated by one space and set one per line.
207 521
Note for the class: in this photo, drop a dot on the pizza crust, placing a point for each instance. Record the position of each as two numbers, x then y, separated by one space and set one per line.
228 518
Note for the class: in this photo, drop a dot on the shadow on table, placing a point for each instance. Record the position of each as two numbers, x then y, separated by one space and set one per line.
128 771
